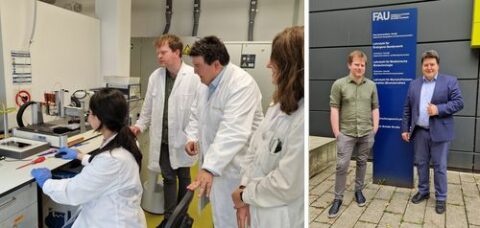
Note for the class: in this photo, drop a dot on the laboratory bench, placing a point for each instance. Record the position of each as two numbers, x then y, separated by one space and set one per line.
18 189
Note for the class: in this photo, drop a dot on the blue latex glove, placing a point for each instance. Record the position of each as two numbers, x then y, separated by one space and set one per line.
41 175
67 153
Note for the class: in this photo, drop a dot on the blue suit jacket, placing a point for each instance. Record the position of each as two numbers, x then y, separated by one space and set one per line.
448 99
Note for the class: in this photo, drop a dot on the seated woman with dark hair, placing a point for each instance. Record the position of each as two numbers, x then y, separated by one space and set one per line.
108 189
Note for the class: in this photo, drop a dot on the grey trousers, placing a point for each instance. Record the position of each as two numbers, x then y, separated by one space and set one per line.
345 147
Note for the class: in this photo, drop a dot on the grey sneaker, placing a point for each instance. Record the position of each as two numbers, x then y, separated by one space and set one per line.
361 201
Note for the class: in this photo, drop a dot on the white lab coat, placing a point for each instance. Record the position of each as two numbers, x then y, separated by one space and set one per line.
108 189
180 101
223 125
275 175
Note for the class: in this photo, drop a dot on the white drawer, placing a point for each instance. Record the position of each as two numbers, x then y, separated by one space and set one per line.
18 200
26 218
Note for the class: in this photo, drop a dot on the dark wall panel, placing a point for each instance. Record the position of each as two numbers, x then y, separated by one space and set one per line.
478 100
477 136
331 63
464 134
469 93
320 95
456 58
320 5
320 124
476 164
444 20
460 160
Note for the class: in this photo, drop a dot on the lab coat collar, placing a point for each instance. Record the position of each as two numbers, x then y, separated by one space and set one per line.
106 141
277 106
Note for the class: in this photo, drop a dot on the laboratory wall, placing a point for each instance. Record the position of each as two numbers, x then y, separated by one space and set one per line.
65 52
339 26
227 19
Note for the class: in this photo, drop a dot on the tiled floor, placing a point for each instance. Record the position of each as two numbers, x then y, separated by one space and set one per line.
202 219
389 206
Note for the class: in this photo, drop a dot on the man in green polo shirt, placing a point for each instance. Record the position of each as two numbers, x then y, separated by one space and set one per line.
354 117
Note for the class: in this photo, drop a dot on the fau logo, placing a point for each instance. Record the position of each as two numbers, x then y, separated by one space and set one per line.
381 16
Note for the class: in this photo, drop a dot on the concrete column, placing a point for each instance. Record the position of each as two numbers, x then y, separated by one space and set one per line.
115 19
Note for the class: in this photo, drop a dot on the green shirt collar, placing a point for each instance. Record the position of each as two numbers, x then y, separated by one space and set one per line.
352 79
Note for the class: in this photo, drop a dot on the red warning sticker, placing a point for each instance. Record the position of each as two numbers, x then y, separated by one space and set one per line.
22 97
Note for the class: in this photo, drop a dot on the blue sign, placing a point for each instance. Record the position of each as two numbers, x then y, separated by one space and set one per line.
394 48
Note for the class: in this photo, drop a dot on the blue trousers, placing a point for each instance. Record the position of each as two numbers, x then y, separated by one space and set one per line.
437 152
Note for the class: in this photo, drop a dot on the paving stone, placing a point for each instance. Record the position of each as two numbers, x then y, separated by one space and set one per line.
372 186
470 189
467 177
453 178
405 190
432 219
369 194
410 225
476 176
318 225
322 188
348 197
463 203
455 195
312 198
398 203
349 217
473 210
385 193
324 201
323 217
361 224
313 213
390 220
374 211
319 178
415 213
456 216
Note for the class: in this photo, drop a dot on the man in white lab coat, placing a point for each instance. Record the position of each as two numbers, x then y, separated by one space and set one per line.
166 110
220 130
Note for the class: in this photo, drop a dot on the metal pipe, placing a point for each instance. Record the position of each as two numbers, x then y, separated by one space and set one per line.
34 24
251 18
196 16
296 8
168 16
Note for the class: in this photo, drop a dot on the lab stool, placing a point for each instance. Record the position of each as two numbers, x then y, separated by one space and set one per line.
152 199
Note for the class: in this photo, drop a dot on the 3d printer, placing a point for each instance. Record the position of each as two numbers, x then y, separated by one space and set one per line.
71 122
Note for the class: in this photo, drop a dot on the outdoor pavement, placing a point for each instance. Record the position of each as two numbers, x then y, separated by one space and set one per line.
389 206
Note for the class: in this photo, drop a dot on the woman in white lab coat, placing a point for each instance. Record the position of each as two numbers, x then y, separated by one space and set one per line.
271 190
108 189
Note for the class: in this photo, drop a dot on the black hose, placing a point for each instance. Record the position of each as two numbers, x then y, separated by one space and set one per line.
168 16
251 18
196 17
20 112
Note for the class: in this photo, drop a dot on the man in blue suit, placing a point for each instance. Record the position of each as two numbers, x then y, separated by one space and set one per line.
428 122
